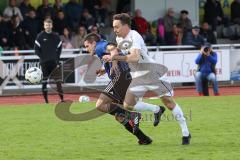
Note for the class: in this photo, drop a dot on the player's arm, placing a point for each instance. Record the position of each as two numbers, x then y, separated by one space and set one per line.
37 46
113 51
59 48
134 56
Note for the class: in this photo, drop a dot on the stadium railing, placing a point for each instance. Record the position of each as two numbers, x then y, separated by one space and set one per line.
8 59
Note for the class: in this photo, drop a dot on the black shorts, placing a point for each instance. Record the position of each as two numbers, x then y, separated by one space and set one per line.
51 71
118 86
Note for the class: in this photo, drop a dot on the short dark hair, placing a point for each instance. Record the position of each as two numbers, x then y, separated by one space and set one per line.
124 18
91 37
184 12
48 20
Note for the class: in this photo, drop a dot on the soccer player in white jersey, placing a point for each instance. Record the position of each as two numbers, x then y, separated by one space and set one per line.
132 44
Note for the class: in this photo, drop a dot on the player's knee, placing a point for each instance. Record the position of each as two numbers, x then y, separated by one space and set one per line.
168 102
118 118
127 106
100 106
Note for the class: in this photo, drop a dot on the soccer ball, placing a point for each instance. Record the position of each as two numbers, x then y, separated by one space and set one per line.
33 75
84 98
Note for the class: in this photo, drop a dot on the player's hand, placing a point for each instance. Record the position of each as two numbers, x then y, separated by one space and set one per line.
107 58
100 72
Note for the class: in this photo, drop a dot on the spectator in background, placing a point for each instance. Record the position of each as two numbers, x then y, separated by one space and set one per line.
149 37
160 32
25 7
100 9
4 33
235 11
169 20
87 19
73 11
66 38
235 17
58 6
174 37
185 22
123 6
213 14
79 37
89 6
141 23
207 33
32 27
194 38
95 29
12 10
206 62
17 36
60 22
45 10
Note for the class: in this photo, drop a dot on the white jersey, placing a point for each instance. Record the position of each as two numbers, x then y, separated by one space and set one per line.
143 74
136 42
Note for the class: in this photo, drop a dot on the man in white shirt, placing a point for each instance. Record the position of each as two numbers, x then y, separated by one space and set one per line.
12 10
132 45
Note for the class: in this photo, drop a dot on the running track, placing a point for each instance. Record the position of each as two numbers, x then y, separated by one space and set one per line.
178 92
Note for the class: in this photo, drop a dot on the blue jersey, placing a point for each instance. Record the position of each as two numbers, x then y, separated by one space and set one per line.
101 50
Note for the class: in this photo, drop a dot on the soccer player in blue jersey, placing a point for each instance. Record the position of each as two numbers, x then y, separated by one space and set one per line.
119 73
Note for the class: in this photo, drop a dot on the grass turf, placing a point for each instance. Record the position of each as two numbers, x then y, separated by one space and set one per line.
33 132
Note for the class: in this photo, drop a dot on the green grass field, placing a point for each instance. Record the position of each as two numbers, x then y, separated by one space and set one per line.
33 132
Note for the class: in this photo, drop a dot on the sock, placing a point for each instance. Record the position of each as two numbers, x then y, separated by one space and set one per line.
115 109
141 106
60 91
178 115
139 134
45 92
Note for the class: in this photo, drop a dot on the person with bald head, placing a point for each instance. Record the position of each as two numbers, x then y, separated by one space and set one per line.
141 23
169 20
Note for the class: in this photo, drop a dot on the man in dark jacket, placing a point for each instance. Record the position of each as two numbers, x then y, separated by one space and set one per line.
48 47
206 62
208 34
194 38
213 13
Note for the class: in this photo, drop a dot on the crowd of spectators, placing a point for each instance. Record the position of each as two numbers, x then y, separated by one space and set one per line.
20 23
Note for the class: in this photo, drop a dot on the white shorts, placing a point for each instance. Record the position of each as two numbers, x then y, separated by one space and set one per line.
140 91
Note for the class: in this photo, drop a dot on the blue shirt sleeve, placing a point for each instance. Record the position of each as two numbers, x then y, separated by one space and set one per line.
212 58
197 61
100 49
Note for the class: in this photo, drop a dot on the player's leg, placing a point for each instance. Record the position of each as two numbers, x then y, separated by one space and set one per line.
45 70
56 75
198 81
143 139
131 102
179 116
212 77
122 116
59 89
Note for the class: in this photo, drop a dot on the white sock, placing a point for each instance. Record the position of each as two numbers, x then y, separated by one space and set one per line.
141 106
178 114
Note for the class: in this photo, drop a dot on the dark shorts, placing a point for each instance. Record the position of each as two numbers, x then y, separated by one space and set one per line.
51 71
117 87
